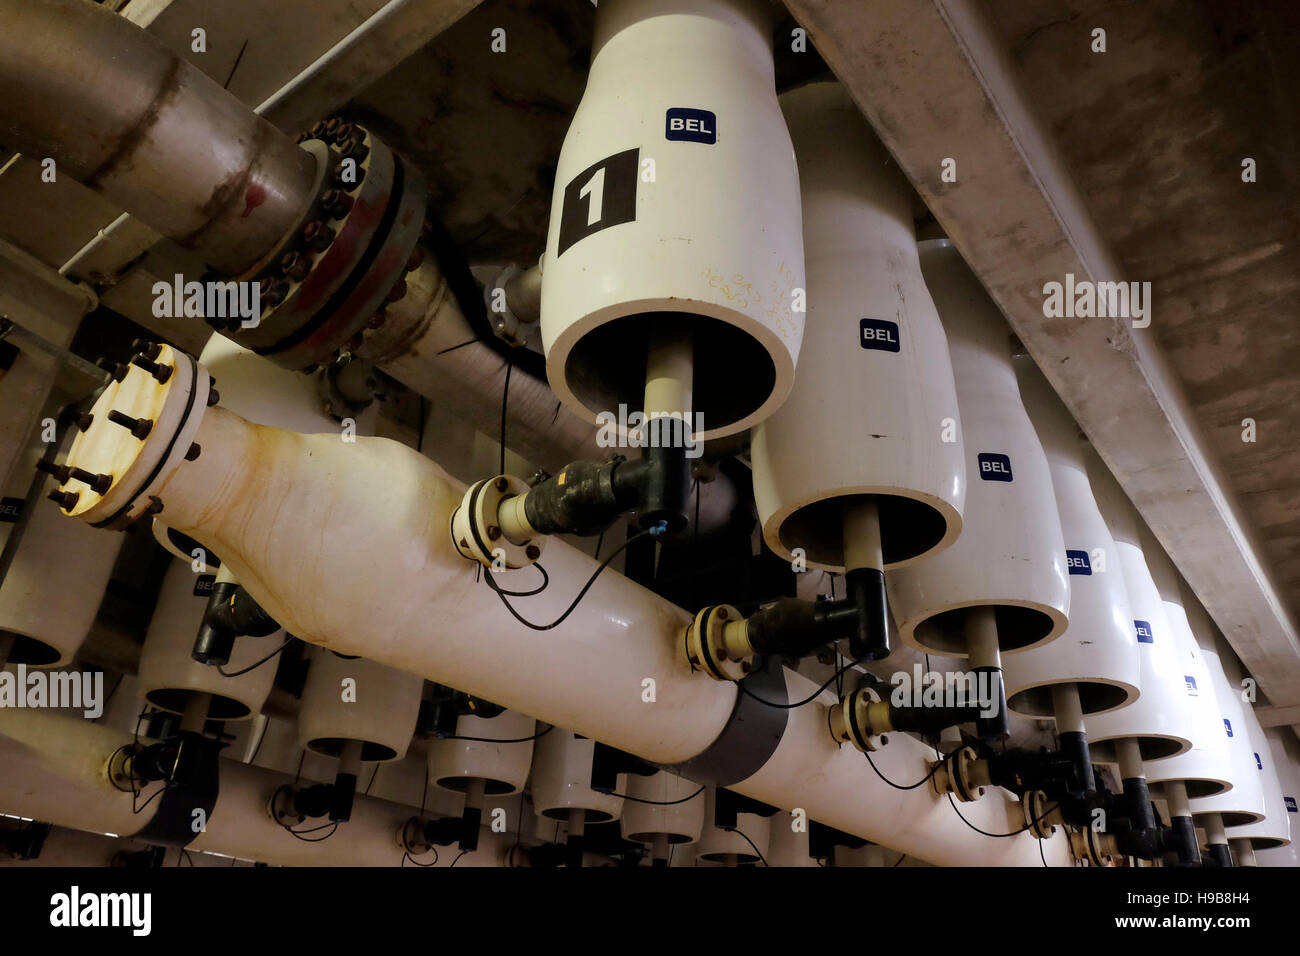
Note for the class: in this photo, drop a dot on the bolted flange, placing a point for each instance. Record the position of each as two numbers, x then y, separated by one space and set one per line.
476 526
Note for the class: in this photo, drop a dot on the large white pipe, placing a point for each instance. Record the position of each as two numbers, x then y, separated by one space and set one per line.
55 771
347 544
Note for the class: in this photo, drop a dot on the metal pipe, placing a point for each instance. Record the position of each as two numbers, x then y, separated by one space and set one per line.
132 120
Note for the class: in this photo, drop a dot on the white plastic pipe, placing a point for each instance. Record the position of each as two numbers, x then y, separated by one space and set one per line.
55 772
348 544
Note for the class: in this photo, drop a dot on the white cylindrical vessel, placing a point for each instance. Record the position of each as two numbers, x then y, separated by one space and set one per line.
1159 721
1098 651
353 699
503 767
1204 770
1286 761
1275 829
561 779
874 413
676 204
1011 555
1244 803
718 845
662 804
53 589
169 675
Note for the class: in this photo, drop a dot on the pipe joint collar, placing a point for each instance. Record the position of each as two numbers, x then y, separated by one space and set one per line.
476 529
714 643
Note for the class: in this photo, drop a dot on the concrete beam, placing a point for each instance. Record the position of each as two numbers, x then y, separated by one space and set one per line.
935 82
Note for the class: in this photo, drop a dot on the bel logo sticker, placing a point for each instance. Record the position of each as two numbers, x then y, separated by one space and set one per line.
1259 763
1077 562
1191 685
691 126
1227 725
11 509
1144 632
994 467
203 584
879 334
1291 805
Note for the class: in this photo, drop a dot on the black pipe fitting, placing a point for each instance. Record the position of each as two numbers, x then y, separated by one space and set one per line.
586 497
796 628
231 613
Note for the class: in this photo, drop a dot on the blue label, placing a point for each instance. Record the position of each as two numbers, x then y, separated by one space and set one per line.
1290 804
1227 725
1077 562
691 126
994 467
879 334
1144 632
1259 763
1191 685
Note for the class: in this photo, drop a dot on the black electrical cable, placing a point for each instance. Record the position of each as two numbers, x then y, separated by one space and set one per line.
899 861
757 852
1028 825
546 580
296 833
458 856
505 399
496 740
406 855
807 700
899 786
372 778
455 347
655 803
288 639
581 594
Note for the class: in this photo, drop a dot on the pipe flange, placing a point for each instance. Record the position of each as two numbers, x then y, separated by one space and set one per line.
118 768
141 429
282 807
956 776
705 646
1036 812
346 259
476 526
507 326
1093 846
411 837
850 722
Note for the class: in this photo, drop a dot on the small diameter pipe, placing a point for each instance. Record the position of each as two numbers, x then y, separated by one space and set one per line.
196 712
986 658
1071 732
669 374
1216 840
345 781
659 851
1134 779
864 566
575 840
1243 852
1180 821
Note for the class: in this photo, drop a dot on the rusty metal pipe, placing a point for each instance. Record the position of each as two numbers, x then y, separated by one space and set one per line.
127 117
